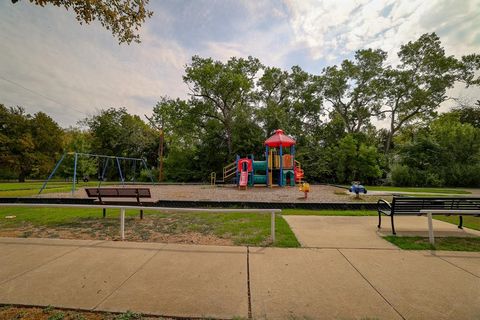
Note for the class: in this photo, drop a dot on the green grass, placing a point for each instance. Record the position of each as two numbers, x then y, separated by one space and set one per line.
468 221
306 212
23 189
448 244
241 228
413 189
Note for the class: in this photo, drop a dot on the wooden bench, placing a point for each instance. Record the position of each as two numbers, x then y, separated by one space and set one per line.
101 193
409 206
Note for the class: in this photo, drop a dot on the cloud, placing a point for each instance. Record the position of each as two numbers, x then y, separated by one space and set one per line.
333 30
83 69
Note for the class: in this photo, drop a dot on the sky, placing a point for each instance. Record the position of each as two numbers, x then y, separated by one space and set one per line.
51 63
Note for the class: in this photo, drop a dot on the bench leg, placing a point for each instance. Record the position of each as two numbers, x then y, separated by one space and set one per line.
460 224
379 220
393 226
141 214
104 212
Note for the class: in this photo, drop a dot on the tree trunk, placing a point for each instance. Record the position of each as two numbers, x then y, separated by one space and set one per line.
21 177
229 140
390 134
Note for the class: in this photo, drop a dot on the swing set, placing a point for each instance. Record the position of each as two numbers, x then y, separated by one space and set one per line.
116 162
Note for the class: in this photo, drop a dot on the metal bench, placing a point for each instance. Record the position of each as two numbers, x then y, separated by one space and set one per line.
409 206
137 193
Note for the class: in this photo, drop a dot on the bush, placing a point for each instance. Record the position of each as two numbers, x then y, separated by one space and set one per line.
400 176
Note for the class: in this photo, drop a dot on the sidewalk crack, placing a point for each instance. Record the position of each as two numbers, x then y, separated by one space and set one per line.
124 281
371 285
453 264
40 265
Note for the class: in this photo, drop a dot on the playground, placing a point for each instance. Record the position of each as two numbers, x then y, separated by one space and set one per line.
255 261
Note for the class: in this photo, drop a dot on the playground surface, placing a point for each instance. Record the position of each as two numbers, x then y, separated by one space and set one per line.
318 193
226 282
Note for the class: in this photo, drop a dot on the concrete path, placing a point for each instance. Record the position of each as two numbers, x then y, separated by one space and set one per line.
361 232
227 282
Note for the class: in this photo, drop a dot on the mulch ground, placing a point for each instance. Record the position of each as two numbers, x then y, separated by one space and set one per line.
318 193
49 313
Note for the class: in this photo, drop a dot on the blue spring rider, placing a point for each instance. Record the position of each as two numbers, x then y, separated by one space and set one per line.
357 188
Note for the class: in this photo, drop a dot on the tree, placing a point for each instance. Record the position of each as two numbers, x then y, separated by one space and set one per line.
355 89
221 91
115 132
289 100
28 144
415 89
356 161
468 114
122 17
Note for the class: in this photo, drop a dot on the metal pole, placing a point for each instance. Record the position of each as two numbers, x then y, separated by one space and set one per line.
149 171
266 160
430 229
51 174
272 226
122 223
105 165
280 183
74 173
120 170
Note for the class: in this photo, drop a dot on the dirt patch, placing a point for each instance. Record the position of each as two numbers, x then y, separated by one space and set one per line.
49 313
150 229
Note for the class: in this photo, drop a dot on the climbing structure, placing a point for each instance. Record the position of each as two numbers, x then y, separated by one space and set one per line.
278 169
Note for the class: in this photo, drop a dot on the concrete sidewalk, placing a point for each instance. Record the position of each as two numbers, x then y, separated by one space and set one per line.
226 282
361 232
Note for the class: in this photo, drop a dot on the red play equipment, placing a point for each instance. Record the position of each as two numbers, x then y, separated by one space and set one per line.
279 167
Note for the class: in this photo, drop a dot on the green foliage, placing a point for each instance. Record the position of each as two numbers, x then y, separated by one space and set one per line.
129 315
122 17
355 89
356 161
234 105
57 316
28 144
445 154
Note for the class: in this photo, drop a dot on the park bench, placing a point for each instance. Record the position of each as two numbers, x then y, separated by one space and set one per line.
102 193
409 206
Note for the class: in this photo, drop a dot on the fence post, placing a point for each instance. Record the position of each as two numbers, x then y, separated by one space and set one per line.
431 238
272 226
122 223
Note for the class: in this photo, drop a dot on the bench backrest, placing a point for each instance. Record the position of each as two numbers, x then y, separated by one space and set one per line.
118 192
411 205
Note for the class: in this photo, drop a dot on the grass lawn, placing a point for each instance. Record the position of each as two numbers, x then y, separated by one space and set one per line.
23 189
468 221
448 243
413 189
206 228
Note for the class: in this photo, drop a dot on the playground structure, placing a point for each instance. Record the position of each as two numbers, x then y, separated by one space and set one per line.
278 169
116 161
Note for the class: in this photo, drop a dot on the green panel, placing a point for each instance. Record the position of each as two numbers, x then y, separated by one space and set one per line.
260 179
291 175
259 165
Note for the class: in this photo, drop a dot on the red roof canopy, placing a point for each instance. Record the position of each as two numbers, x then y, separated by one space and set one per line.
279 139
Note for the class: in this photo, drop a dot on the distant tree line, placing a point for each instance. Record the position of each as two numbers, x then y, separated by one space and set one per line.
338 118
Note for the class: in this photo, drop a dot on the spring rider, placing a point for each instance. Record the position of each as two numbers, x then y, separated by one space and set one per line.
305 188
357 188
